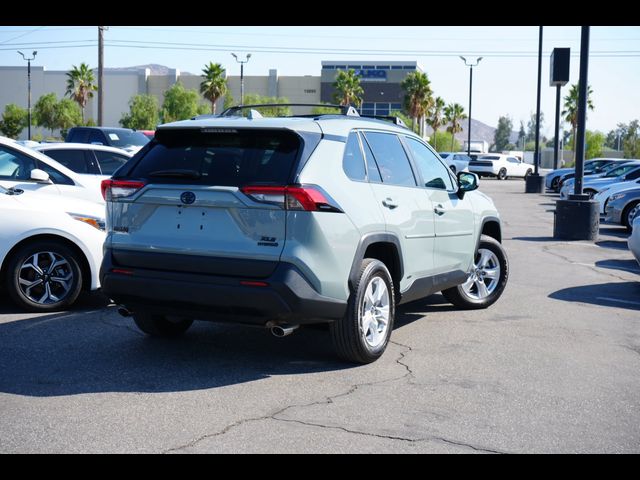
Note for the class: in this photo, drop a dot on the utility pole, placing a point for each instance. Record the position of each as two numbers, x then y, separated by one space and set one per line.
534 183
28 59
101 73
470 64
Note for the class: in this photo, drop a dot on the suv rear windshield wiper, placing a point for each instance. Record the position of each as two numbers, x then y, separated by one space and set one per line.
176 173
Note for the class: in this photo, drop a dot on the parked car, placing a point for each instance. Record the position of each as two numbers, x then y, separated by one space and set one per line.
634 238
621 208
458 162
148 133
27 169
603 196
594 183
50 248
281 222
500 166
86 158
595 165
589 174
124 138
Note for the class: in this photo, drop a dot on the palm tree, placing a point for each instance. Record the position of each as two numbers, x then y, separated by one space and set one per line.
80 85
348 88
570 112
436 120
214 85
453 113
418 97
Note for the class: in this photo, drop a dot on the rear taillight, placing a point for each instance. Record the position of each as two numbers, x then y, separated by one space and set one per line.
294 197
112 189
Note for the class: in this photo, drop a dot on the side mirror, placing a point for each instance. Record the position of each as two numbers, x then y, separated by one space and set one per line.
40 176
467 182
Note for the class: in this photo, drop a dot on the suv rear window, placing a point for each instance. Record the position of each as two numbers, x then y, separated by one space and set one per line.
229 158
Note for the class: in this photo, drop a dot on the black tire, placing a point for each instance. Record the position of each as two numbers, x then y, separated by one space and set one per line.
555 184
529 172
347 335
161 326
60 294
502 174
460 298
625 215
590 192
453 169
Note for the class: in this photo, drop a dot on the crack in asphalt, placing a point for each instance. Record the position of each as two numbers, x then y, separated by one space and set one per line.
327 401
546 248
392 437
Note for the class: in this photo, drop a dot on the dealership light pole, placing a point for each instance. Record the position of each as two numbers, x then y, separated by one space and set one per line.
101 73
578 218
534 183
242 62
29 88
559 76
470 64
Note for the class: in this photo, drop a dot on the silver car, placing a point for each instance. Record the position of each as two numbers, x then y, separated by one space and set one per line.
280 222
622 207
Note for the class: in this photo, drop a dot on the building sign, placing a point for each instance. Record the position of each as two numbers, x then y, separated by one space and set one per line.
372 75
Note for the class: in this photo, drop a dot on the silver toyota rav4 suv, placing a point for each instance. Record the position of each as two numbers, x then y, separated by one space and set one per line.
281 222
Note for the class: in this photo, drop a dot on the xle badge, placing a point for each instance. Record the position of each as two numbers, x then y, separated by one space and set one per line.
268 242
188 198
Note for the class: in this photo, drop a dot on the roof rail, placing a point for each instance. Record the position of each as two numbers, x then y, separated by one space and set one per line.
390 118
347 110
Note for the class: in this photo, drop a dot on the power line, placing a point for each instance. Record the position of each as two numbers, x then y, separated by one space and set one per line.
20 36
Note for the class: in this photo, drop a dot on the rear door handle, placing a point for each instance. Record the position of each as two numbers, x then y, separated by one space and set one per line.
439 209
389 203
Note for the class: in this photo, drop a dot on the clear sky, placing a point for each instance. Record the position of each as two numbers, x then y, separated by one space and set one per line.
504 82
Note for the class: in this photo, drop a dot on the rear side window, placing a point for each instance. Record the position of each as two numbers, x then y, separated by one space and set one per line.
391 159
353 161
109 161
227 157
72 159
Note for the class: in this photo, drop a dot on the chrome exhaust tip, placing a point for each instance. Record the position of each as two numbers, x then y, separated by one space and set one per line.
284 330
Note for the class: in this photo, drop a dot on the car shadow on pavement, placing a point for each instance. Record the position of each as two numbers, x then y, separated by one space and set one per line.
620 295
624 265
88 351
614 232
73 353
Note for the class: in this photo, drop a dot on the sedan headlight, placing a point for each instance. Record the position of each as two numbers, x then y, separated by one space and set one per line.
616 196
95 222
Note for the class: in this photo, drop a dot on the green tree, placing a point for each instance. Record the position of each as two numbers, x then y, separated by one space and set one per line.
144 113
348 88
255 99
179 103
503 133
632 140
531 126
436 120
14 120
81 85
228 100
214 85
325 111
68 115
418 97
522 135
595 144
570 112
446 140
453 113
405 119
44 112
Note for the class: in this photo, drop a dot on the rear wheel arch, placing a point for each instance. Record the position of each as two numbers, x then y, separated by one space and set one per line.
380 246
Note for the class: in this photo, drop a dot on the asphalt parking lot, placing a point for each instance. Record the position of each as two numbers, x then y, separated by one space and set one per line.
553 367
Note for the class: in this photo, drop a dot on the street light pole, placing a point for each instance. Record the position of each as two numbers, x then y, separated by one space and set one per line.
241 62
470 64
29 88
534 183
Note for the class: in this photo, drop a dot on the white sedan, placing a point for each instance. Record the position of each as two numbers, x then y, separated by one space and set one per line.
605 194
27 169
500 166
50 247
86 158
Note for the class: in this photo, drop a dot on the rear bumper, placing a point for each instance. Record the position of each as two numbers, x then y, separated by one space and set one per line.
284 296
